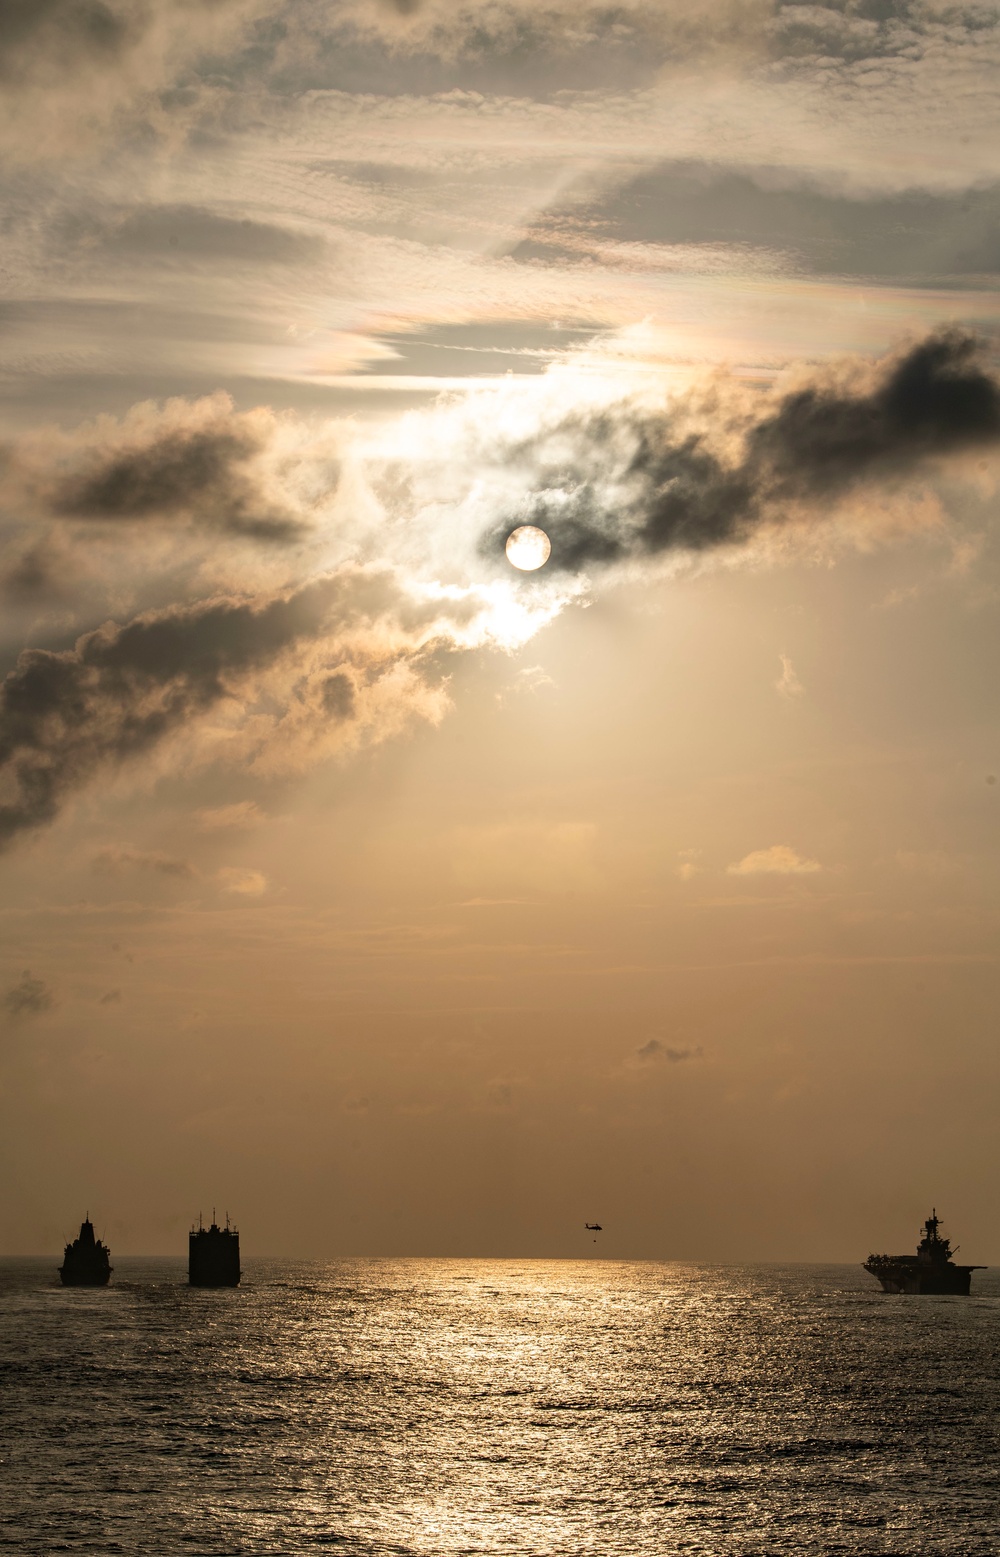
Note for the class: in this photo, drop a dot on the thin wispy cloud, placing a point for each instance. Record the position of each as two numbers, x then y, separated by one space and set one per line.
788 683
113 861
242 882
778 860
241 815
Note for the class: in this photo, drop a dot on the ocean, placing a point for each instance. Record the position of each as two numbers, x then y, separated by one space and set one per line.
425 1407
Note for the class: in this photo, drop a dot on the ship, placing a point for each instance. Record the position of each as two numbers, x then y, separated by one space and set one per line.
931 1270
214 1255
87 1261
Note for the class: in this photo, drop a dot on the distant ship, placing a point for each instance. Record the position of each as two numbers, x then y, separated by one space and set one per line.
931 1269
214 1255
87 1261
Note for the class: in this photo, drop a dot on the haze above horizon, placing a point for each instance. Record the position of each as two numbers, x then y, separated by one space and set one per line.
404 901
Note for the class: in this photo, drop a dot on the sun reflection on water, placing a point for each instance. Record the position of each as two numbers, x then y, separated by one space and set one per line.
445 1406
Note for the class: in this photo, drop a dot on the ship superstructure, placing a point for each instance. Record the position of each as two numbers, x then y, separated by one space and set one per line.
214 1255
931 1270
87 1261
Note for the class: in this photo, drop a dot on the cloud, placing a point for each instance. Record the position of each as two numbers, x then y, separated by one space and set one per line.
339 695
622 481
176 231
197 461
112 861
37 573
786 215
58 29
517 31
530 679
778 860
688 867
72 69
788 683
29 997
244 883
295 673
111 998
122 690
241 815
655 1051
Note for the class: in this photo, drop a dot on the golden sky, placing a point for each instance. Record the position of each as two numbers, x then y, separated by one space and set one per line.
394 899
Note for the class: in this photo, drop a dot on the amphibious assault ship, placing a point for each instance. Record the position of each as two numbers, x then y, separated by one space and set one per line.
214 1255
931 1269
87 1261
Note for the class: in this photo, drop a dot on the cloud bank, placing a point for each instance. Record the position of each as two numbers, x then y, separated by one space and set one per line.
198 462
122 691
287 673
69 69
620 482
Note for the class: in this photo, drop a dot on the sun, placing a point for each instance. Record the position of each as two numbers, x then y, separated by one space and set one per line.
528 548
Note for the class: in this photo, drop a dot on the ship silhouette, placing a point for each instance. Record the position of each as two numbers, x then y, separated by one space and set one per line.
931 1270
87 1261
214 1255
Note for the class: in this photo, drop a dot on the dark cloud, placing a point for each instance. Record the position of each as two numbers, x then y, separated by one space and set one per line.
72 69
33 575
626 482
914 232
339 695
111 998
524 48
62 30
842 31
121 690
195 232
655 1050
82 321
202 472
28 997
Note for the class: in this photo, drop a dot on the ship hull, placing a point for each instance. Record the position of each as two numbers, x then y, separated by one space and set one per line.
931 1272
214 1257
84 1278
952 1283
207 1279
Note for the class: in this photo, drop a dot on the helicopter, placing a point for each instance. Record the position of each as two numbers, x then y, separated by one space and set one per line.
593 1227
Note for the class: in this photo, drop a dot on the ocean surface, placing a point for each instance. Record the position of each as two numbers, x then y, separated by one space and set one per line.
448 1406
